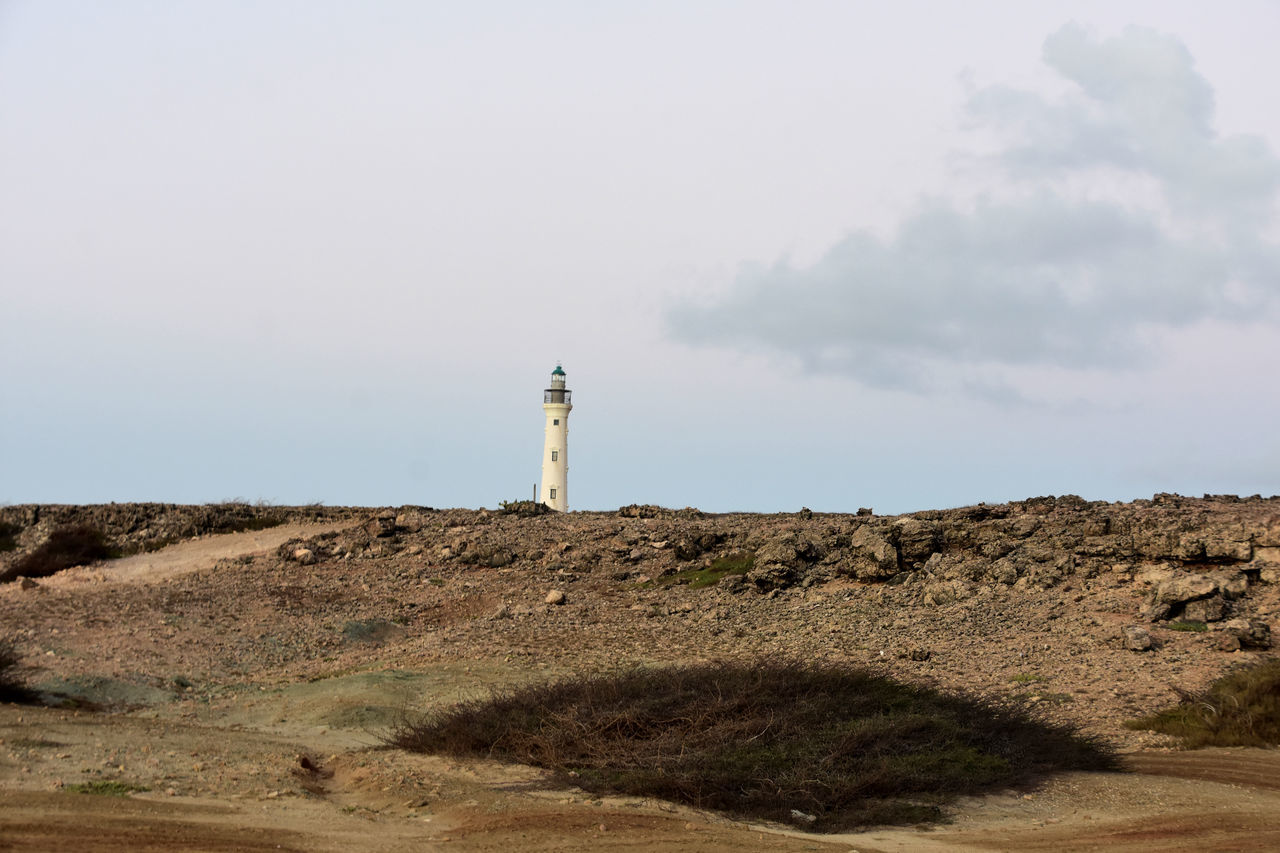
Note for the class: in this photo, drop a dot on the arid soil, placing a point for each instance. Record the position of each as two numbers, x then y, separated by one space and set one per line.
245 679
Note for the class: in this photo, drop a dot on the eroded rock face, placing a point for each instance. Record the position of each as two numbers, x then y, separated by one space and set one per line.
1174 593
871 556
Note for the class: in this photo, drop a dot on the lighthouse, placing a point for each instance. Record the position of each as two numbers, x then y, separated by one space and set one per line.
556 403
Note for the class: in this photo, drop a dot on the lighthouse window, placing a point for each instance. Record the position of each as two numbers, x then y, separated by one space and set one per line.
553 493
555 454
555 422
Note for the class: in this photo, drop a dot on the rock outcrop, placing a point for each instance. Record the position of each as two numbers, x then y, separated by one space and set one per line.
1192 559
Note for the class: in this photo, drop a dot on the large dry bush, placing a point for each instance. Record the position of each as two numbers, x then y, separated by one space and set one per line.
814 744
13 687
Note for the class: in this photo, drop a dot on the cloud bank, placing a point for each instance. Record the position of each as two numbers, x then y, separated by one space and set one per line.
1114 210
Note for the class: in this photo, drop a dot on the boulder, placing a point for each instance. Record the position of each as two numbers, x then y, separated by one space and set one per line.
381 525
305 556
556 596
1004 571
1171 594
809 550
917 539
1210 609
1250 633
775 565
1138 639
409 521
768 576
872 556
686 548
777 552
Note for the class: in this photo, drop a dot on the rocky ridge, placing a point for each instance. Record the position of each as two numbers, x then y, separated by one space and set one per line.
1198 556
1092 611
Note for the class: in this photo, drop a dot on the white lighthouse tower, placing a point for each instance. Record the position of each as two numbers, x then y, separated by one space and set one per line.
556 402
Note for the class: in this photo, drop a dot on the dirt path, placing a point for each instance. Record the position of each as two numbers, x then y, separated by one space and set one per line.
1173 801
190 556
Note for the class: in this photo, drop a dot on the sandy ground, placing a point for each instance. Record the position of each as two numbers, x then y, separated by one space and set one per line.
278 761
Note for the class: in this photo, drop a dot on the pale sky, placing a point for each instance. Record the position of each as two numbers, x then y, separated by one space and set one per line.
830 254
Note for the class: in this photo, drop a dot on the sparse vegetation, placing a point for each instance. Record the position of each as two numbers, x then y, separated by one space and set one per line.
369 630
524 509
737 563
106 788
1187 625
824 746
1028 678
75 545
1240 709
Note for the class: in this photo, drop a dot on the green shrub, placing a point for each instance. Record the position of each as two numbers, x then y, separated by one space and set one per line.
106 788
842 746
736 563
1240 709
76 545
1187 625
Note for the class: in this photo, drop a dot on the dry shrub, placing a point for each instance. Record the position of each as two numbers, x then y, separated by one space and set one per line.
8 536
820 745
1240 709
13 687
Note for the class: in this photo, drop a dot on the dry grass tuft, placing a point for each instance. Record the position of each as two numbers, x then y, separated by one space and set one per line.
1240 709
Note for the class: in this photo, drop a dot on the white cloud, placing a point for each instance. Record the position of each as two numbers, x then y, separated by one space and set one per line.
1057 265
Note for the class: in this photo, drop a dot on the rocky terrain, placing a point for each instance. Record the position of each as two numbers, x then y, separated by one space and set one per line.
310 635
